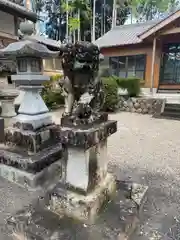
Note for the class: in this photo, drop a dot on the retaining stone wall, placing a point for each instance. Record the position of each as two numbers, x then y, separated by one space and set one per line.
143 105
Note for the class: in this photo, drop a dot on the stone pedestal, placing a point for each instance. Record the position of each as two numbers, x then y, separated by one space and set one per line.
7 97
32 154
88 184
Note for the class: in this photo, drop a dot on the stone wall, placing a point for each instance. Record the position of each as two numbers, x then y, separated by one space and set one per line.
144 105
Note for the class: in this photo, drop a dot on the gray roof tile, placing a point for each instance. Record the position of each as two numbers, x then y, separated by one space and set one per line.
124 34
47 41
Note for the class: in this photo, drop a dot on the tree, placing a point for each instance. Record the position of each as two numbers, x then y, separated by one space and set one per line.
105 12
65 17
74 17
144 10
83 15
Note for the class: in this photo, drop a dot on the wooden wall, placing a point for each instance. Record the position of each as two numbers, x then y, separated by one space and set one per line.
139 49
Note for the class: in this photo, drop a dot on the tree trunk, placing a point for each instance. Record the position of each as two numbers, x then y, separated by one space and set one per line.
67 21
94 22
102 20
79 32
104 17
114 14
74 36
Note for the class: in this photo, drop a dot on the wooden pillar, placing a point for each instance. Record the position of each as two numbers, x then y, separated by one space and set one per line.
153 63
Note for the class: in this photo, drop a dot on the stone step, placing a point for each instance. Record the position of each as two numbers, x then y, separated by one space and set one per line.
168 91
166 117
171 111
172 114
172 106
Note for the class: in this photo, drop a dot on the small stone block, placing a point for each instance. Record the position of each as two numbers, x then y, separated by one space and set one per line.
125 187
116 221
139 195
86 137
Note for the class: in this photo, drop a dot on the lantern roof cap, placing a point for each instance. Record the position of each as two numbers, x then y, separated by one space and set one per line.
27 48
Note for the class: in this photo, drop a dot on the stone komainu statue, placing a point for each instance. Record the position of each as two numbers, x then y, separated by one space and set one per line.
81 83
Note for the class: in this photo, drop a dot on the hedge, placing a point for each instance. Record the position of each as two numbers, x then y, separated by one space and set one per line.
132 85
110 88
52 97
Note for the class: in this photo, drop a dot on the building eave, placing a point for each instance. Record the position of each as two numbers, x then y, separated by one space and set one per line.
17 10
161 24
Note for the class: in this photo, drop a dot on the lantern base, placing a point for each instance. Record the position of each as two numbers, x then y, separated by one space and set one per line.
32 122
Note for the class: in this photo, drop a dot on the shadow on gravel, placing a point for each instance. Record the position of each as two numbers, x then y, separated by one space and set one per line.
160 219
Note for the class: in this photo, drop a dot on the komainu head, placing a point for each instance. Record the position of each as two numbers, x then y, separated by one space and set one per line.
81 56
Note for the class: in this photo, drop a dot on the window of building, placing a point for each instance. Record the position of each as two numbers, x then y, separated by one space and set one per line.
128 66
48 64
52 64
57 64
9 79
170 67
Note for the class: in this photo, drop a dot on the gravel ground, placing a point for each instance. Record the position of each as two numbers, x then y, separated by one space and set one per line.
147 150
144 150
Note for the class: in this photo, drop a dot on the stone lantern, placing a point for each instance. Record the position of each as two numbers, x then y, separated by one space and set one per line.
36 156
29 55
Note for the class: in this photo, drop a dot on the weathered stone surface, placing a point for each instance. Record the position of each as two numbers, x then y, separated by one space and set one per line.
65 201
139 110
31 141
45 178
71 121
138 195
21 160
86 137
141 105
117 220
35 170
136 105
91 167
82 85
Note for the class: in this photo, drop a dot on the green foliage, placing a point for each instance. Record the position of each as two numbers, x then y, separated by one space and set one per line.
110 88
148 9
74 23
132 85
52 97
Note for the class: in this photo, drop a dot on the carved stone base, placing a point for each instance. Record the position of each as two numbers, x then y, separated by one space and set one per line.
32 122
82 208
116 221
32 171
70 121
31 141
87 136
44 178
